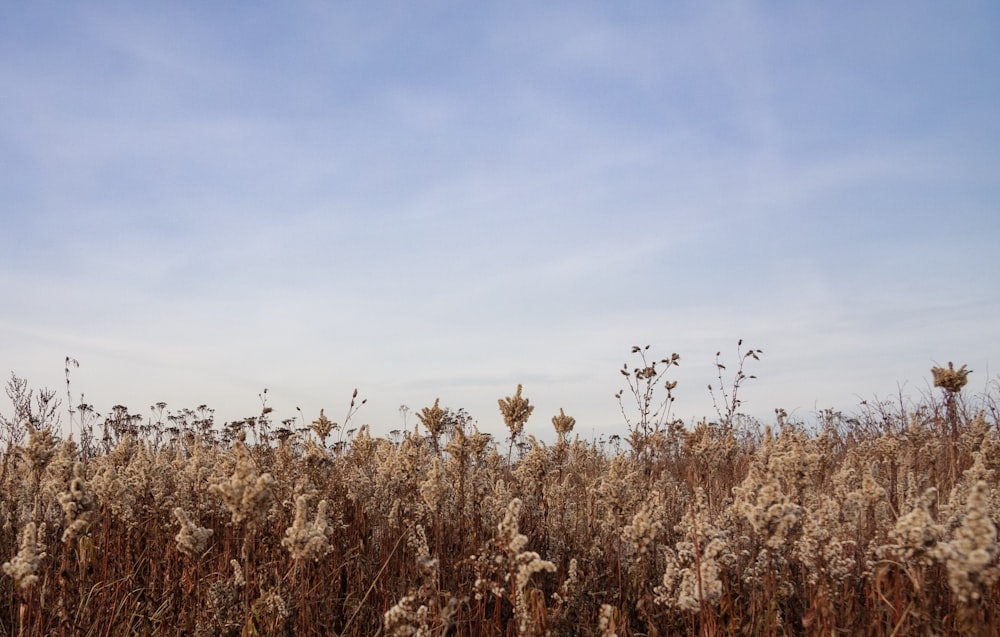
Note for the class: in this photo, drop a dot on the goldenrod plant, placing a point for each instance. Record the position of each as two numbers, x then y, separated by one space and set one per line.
878 523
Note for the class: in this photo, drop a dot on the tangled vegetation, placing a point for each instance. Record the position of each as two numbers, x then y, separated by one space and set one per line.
881 523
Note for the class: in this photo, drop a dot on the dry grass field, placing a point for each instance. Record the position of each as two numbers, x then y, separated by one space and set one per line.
882 522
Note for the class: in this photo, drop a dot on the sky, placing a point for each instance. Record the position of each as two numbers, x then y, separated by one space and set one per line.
442 200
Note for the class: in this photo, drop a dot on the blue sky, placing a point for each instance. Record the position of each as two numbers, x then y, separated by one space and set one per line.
439 199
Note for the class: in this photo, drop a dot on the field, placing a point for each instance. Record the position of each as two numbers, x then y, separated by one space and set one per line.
880 522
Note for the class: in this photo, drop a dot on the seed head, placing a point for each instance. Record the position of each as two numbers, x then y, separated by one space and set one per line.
951 380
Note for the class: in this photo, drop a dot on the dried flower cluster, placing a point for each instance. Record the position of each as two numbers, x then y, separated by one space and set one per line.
950 379
516 410
191 539
23 567
307 541
245 493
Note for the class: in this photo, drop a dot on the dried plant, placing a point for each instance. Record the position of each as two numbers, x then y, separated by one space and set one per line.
23 567
306 541
970 557
879 523
731 401
191 539
515 410
433 420
322 427
563 424
951 381
653 413
515 567
78 504
245 493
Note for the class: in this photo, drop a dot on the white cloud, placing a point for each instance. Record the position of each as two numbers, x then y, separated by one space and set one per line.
373 202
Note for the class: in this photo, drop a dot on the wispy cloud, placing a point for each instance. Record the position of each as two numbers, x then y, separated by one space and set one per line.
441 201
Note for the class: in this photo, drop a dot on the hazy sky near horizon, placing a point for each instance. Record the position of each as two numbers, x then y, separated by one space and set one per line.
422 200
